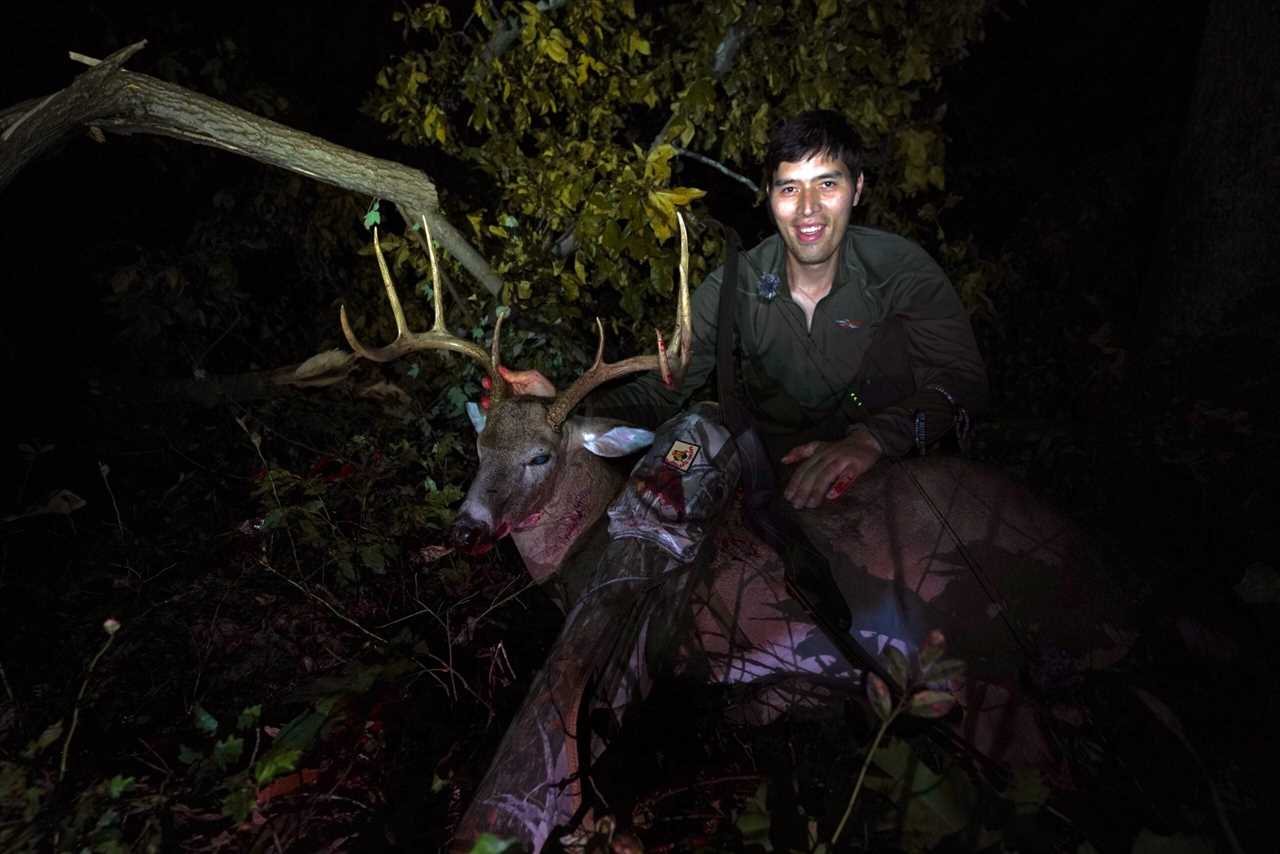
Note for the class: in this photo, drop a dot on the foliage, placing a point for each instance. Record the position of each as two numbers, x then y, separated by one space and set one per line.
570 119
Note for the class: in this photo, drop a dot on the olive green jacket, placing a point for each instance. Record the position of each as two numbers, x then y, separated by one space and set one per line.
891 328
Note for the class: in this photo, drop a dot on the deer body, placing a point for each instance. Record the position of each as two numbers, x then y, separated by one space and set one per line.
897 560
928 543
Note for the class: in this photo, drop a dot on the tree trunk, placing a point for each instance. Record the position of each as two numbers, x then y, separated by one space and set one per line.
1215 252
108 98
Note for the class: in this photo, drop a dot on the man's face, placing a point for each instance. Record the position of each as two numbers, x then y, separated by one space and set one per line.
811 201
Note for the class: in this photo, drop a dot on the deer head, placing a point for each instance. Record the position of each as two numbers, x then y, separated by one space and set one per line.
539 467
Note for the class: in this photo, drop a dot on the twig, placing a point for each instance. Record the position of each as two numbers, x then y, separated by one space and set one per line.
866 763
378 639
4 678
256 441
110 627
104 470
719 167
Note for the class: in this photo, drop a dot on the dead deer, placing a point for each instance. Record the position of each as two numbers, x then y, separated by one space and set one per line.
926 543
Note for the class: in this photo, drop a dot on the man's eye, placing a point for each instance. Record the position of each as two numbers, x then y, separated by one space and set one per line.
539 460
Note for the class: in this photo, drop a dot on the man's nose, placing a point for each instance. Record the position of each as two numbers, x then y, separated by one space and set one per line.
808 201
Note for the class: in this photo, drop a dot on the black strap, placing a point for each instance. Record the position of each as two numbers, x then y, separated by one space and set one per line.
764 511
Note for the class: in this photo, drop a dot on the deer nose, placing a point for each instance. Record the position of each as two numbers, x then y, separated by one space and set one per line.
469 534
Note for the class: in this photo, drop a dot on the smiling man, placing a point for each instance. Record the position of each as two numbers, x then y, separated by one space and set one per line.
852 344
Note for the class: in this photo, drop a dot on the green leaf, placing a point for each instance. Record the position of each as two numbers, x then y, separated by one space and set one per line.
187 756
1027 791
371 556
228 752
52 733
878 694
276 763
755 820
487 843
930 704
239 805
118 785
933 806
939 671
899 668
935 643
249 718
204 721
373 216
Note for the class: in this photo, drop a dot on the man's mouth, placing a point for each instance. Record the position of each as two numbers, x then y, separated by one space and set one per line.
810 233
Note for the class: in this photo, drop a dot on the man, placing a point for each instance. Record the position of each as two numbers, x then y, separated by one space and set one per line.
853 344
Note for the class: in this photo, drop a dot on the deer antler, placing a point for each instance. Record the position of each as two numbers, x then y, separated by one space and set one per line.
681 348
439 338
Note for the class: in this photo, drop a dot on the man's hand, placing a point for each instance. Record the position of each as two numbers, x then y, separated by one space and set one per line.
828 469
527 382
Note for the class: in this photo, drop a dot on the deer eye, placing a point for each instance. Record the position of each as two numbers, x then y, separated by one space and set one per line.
539 460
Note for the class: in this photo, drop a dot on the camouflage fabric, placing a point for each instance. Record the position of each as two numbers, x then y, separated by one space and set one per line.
679 489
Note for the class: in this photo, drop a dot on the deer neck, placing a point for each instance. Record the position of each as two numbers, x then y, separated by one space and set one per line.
582 492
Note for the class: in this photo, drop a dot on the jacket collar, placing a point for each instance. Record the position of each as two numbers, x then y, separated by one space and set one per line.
772 258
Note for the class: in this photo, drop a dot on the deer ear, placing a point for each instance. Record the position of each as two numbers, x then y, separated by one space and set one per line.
477 416
616 441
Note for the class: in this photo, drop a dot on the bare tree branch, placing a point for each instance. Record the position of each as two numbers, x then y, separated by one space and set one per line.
108 98
719 167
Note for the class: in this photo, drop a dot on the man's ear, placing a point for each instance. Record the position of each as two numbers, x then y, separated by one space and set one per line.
606 437
477 416
857 189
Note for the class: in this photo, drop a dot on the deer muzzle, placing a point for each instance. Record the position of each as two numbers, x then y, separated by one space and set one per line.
473 536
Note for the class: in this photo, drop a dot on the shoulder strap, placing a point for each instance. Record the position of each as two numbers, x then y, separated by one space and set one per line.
735 414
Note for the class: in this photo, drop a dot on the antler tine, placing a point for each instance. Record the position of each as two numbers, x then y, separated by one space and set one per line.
439 338
600 372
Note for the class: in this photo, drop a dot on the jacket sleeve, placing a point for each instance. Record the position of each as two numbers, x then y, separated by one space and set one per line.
943 358
643 400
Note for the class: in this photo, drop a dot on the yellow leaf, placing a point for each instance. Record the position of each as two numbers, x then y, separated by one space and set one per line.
555 50
681 196
637 43
826 8
497 231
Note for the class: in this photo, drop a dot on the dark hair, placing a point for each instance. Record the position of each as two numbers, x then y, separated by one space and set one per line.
816 132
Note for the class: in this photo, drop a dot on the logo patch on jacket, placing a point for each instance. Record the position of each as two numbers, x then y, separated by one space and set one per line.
681 455
849 324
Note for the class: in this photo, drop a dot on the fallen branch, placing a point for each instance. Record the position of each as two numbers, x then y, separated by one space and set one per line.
108 98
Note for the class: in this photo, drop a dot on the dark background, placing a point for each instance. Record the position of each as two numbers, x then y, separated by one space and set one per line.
1065 125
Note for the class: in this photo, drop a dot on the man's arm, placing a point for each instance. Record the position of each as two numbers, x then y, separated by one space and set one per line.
944 361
